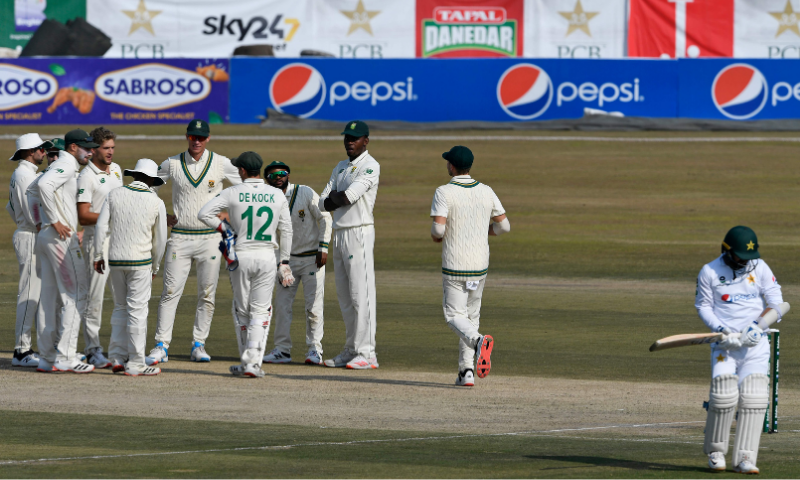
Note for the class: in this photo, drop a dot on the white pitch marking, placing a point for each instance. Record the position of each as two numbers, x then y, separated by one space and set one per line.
354 442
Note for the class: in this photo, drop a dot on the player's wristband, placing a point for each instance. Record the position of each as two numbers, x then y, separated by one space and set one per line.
285 262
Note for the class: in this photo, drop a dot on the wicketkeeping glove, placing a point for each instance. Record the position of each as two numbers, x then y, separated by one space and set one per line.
285 275
226 245
729 342
751 336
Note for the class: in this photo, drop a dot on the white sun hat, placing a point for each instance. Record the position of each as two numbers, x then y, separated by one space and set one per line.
147 167
28 141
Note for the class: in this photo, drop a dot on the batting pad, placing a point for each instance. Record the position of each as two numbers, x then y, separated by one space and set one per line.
721 405
753 400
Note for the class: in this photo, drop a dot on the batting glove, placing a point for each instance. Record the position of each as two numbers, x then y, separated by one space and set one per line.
729 340
285 275
751 336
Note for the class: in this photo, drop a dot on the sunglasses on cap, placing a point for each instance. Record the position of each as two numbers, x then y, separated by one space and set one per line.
196 138
53 154
278 174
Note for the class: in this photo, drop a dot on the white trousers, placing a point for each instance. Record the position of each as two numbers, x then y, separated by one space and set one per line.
29 288
305 271
741 362
63 274
182 250
131 290
354 268
462 311
93 314
252 285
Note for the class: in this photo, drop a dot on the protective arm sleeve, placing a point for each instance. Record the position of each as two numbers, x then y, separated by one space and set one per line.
771 289
327 190
50 182
231 172
160 237
363 183
437 230
163 173
501 227
704 303
208 214
285 227
102 230
324 222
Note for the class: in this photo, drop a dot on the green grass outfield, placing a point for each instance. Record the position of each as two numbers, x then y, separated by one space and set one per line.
607 239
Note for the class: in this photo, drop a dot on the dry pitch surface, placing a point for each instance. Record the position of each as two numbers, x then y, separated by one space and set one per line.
606 240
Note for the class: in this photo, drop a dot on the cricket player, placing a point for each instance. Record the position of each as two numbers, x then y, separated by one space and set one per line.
309 254
30 154
99 177
135 220
465 213
257 212
732 293
63 271
197 176
350 194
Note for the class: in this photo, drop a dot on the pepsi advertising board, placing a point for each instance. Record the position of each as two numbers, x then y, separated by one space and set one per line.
739 89
101 91
437 90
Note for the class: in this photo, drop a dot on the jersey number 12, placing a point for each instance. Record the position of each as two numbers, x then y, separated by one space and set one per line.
248 215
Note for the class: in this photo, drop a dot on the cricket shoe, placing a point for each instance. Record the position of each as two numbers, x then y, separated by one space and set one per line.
276 356
362 363
313 358
117 366
199 353
466 378
746 467
74 366
25 359
485 346
160 354
237 370
253 370
716 461
98 360
45 366
340 360
142 372
81 357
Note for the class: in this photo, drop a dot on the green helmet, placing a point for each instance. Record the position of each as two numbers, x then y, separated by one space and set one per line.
742 242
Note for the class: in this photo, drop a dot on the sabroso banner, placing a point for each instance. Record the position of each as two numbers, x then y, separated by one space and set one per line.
77 90
434 90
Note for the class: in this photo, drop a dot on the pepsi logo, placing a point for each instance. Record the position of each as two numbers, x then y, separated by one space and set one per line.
739 91
726 298
297 89
524 91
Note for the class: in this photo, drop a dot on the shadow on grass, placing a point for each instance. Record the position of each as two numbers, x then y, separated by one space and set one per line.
615 463
354 379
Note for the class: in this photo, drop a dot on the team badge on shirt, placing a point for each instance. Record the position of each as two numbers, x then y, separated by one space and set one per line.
211 184
302 215
102 180
117 174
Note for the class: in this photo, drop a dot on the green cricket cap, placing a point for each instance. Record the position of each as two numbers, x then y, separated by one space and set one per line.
460 157
277 165
356 128
198 127
80 138
57 143
743 242
250 161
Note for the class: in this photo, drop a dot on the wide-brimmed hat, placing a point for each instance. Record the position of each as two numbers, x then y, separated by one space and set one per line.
146 167
29 141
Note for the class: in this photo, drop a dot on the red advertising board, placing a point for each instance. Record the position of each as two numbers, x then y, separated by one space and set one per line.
469 28
680 28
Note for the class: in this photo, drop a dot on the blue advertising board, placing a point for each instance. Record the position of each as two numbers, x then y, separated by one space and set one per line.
417 90
100 91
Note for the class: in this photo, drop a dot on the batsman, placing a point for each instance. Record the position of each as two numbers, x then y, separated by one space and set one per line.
732 292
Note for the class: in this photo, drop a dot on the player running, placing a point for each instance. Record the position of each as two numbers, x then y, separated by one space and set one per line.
732 292
257 211
311 233
30 154
135 221
99 177
197 176
465 213
350 194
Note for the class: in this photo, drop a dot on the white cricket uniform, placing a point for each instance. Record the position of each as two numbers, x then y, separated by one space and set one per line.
469 207
194 183
24 240
725 300
256 212
135 221
63 271
353 244
93 186
308 238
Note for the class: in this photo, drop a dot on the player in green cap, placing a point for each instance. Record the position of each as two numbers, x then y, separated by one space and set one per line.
733 291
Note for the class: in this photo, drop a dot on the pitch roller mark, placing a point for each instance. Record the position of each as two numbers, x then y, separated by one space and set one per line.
532 433
452 138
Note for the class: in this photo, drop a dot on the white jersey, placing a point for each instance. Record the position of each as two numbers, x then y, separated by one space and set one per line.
135 219
194 183
359 180
21 179
256 212
723 299
469 207
57 190
311 227
94 185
